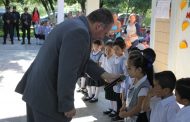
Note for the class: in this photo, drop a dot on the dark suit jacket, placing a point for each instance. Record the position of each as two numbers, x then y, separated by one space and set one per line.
48 85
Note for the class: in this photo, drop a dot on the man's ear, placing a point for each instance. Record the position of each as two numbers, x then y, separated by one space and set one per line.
98 25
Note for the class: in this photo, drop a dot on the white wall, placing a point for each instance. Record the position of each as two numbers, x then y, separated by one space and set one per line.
179 59
60 10
91 5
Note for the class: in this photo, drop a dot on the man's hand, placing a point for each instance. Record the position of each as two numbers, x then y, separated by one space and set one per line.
109 77
70 113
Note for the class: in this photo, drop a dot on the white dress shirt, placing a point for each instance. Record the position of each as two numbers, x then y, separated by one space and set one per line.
183 115
163 110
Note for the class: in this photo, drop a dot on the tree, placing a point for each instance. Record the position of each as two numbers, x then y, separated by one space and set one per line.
81 2
140 6
6 2
47 4
113 5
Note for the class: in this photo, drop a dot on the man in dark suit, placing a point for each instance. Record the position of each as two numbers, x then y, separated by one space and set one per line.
48 85
7 25
26 21
16 17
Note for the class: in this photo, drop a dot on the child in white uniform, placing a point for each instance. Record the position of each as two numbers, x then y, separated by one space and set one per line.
141 70
119 68
107 62
93 87
160 99
182 92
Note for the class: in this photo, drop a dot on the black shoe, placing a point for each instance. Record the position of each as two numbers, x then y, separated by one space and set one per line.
79 90
84 91
29 43
86 98
12 42
113 114
4 42
23 43
107 111
117 118
93 100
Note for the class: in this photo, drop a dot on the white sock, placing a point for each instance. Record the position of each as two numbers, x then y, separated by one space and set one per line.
89 91
97 92
82 82
93 88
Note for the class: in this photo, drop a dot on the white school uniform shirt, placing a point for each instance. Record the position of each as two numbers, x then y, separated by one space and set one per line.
142 92
119 68
107 63
163 110
183 115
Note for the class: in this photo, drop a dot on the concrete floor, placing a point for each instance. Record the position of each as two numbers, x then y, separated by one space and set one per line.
14 61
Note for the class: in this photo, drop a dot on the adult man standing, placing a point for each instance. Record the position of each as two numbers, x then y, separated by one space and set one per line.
16 17
49 83
7 25
26 20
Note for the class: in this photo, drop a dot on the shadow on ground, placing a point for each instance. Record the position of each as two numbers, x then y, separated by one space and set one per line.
14 119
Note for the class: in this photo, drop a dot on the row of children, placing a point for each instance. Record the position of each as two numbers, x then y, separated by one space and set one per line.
41 30
143 96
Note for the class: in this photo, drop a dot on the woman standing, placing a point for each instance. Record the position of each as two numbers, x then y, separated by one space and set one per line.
116 28
133 32
35 16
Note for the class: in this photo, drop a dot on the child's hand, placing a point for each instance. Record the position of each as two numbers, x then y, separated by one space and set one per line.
123 114
151 92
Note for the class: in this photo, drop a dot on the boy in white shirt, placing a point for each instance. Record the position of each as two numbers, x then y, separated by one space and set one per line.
182 92
160 99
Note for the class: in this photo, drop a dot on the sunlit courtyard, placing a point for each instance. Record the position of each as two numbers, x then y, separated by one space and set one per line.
14 61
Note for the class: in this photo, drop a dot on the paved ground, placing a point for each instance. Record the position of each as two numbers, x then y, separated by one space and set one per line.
14 60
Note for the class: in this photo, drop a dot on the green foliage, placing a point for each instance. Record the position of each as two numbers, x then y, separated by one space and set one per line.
140 6
81 2
71 2
147 19
113 5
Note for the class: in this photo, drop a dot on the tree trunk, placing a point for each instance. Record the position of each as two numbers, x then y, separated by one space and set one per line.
82 4
101 3
6 2
51 5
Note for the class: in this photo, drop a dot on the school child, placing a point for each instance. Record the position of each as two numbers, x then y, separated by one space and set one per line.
47 29
140 70
41 31
107 62
119 68
182 92
160 98
36 27
93 87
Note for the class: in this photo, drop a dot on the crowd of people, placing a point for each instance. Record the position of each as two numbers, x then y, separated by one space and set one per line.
144 96
13 20
48 85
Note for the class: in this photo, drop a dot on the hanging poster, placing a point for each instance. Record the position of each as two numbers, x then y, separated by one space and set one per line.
163 9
